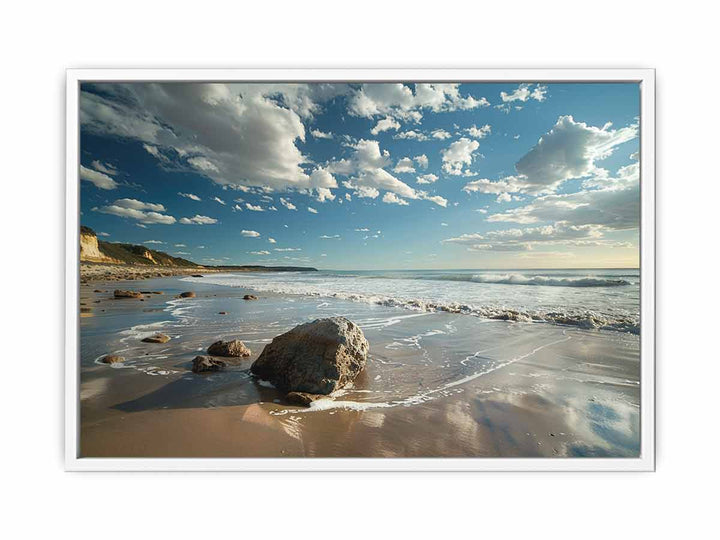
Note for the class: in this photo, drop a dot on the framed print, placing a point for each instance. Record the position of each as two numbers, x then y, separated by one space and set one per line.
397 269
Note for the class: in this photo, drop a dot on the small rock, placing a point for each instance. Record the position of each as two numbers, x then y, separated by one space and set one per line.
222 312
302 398
203 364
250 297
196 275
188 294
157 338
126 294
229 348
97 290
112 359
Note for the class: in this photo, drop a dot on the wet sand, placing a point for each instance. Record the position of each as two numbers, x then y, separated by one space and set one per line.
436 384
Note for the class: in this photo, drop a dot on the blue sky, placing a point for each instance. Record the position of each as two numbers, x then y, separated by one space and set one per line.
366 176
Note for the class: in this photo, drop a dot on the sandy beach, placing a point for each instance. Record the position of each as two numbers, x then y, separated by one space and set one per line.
437 384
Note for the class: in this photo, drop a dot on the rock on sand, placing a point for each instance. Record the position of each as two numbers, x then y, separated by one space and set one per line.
188 294
250 297
203 364
157 338
229 348
112 359
316 358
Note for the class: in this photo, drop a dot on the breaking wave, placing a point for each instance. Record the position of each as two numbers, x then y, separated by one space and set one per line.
519 279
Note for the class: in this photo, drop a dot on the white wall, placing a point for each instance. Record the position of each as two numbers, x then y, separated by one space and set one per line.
39 42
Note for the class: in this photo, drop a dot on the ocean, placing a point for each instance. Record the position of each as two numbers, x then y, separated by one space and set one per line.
588 298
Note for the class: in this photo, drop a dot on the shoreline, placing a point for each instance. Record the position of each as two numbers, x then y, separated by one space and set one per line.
497 388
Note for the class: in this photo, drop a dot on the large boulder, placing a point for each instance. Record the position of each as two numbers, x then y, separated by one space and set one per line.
188 294
317 357
229 348
203 364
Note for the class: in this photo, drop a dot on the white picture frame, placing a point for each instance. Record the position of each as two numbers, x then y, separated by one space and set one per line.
645 462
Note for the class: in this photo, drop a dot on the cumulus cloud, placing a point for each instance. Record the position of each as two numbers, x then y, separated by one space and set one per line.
254 207
321 135
219 200
422 161
263 252
99 179
479 132
250 234
198 220
287 204
569 150
106 168
405 165
427 178
400 101
190 196
153 242
385 124
283 250
525 92
458 155
272 241
391 198
235 134
145 213
312 210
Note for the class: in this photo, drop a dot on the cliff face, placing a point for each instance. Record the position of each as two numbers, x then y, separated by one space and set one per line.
94 250
89 248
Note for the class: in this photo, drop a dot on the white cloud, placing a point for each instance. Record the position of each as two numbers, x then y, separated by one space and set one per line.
399 101
560 233
427 178
321 135
232 133
103 234
254 207
272 241
525 92
329 237
479 132
568 151
153 242
218 199
283 250
106 168
145 213
99 179
385 124
612 208
263 252
405 165
180 245
391 198
198 220
458 155
287 204
250 234
422 161
504 197
190 196
324 194
312 210
440 134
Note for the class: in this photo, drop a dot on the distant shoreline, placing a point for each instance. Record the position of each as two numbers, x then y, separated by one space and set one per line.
92 272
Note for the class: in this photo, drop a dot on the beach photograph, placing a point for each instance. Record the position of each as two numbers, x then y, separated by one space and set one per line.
359 270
